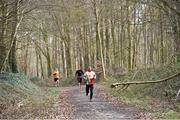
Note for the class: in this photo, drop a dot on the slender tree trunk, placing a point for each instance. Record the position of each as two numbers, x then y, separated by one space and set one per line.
107 43
68 54
129 37
161 39
64 59
37 63
113 41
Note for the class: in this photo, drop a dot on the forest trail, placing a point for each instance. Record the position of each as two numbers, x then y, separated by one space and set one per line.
100 108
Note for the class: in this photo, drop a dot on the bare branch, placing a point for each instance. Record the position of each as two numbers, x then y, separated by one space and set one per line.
146 82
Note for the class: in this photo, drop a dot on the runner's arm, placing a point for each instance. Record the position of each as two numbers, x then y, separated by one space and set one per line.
85 76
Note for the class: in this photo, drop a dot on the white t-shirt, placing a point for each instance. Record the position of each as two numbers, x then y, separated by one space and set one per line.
90 75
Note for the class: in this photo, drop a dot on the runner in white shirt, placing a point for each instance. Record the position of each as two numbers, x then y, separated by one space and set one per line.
90 76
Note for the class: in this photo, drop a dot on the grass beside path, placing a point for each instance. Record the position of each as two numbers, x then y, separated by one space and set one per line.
22 99
156 99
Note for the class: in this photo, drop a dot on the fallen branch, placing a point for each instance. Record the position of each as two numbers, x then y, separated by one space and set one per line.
145 82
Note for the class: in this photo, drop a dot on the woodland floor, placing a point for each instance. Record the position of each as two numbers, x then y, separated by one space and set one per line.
74 104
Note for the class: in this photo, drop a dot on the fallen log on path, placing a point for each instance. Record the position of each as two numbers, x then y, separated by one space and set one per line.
145 82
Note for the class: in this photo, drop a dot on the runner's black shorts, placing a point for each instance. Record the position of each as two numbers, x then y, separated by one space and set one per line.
79 79
56 79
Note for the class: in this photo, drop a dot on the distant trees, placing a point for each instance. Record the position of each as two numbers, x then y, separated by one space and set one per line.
172 8
116 34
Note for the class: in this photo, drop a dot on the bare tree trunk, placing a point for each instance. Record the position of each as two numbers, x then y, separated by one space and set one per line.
37 63
64 59
129 37
47 53
113 41
162 39
107 43
3 51
12 54
98 37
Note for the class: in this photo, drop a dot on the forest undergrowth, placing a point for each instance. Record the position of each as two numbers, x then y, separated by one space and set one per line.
158 99
20 98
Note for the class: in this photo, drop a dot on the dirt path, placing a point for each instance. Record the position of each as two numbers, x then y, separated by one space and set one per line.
99 108
73 104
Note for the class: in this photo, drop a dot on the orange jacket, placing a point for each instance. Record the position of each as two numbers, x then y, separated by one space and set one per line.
56 74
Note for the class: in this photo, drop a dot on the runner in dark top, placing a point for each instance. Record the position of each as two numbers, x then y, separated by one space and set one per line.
79 75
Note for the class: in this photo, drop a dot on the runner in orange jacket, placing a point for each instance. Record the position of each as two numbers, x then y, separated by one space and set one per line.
56 76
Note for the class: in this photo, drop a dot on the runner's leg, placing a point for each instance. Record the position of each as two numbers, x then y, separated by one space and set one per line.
87 90
54 82
91 92
80 81
79 85
57 82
